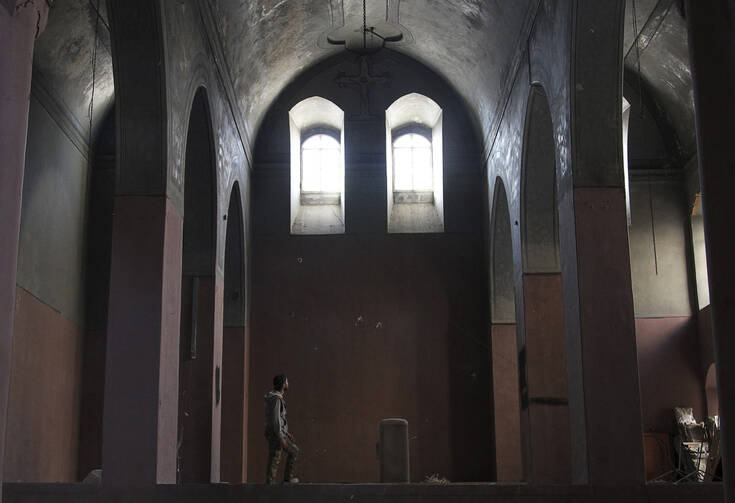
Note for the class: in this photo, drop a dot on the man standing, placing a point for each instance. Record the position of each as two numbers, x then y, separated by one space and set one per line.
276 431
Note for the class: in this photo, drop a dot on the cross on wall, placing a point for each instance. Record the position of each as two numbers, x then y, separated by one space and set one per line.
364 80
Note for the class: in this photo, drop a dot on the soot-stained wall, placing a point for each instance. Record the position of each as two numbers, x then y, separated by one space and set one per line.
369 325
661 270
51 319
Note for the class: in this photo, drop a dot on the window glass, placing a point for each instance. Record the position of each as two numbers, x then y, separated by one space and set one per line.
320 164
412 168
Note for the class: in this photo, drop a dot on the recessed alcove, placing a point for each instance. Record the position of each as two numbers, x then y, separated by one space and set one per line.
317 167
414 165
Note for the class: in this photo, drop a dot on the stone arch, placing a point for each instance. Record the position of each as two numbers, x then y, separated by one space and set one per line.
195 453
539 215
506 398
542 360
235 350
502 292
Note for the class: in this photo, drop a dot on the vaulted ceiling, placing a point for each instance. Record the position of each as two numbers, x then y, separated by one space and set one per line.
657 63
471 43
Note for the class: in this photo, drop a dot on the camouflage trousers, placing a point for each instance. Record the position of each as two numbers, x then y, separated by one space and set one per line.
275 451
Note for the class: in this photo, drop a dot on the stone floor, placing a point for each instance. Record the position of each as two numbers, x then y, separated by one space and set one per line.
362 493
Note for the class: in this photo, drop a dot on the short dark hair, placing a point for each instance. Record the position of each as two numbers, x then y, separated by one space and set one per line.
279 381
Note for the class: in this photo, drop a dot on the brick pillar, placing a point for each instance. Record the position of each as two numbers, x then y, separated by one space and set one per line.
20 23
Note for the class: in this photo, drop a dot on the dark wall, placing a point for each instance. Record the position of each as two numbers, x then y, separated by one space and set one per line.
659 244
50 320
369 325
670 371
62 286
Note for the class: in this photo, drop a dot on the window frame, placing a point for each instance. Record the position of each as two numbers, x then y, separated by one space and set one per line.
412 196
318 196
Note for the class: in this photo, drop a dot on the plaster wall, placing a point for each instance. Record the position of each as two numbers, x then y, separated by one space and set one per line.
53 276
43 421
658 249
52 236
667 334
370 325
506 397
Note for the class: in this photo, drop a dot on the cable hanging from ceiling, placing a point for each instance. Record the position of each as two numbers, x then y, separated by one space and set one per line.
94 79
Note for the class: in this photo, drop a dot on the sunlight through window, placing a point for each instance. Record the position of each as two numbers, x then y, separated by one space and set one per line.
320 164
412 163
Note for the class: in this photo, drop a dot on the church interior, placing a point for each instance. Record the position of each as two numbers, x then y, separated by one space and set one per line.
506 222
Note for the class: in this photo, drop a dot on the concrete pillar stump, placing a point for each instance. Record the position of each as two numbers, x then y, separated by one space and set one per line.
393 451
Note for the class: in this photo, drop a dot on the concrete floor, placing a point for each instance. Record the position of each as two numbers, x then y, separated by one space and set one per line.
363 493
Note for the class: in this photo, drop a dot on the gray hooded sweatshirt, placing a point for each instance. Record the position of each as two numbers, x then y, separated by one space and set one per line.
276 425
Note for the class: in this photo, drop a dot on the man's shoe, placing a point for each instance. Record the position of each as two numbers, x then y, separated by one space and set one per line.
292 480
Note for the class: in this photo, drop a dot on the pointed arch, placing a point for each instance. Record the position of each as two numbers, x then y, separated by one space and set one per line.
539 214
196 345
542 352
506 396
235 348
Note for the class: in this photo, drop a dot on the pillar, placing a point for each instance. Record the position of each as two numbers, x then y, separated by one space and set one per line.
141 380
20 23
602 361
142 365
711 27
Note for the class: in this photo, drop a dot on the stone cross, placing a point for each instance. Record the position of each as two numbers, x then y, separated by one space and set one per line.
364 79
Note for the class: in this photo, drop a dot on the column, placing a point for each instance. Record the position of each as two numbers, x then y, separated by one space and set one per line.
141 383
20 23
602 361
601 344
711 28
142 366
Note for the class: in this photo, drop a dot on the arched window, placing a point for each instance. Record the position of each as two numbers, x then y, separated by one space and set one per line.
320 165
317 167
414 165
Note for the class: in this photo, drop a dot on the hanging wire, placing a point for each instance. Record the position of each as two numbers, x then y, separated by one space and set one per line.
364 24
94 76
636 40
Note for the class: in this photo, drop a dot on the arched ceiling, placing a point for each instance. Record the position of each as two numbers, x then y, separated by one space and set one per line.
64 76
657 62
471 43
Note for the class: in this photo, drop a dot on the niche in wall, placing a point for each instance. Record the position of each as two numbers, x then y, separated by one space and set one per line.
414 165
317 167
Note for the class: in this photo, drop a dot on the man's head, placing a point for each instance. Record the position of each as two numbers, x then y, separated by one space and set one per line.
280 383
